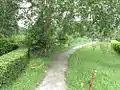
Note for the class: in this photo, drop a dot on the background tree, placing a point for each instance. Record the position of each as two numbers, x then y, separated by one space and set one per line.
8 23
56 20
101 17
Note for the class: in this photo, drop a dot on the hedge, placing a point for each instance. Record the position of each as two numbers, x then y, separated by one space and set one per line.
116 45
11 65
6 46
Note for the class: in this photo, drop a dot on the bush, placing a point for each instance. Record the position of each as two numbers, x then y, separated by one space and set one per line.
18 39
6 46
11 65
116 46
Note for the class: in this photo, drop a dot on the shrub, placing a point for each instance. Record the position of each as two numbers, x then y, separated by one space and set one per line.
6 46
116 46
18 39
11 65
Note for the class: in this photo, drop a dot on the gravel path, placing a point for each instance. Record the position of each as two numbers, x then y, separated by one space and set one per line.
55 77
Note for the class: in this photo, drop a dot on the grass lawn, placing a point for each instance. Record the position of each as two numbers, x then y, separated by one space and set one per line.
31 77
33 73
85 61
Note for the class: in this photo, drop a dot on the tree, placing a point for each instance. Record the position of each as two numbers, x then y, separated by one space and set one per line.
8 23
56 19
101 17
50 23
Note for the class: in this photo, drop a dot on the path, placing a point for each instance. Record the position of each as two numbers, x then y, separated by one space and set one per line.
55 77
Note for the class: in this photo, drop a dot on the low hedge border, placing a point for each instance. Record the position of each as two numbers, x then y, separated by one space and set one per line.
6 46
11 65
116 45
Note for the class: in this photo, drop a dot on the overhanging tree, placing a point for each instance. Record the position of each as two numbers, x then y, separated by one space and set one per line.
101 16
98 19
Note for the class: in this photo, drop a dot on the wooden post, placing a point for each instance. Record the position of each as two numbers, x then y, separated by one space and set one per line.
92 80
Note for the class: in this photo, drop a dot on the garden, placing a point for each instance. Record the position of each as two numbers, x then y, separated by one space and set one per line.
53 44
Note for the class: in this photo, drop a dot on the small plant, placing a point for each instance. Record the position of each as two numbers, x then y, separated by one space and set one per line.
116 46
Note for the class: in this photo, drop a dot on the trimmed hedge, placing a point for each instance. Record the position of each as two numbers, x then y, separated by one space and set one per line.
6 46
11 65
116 46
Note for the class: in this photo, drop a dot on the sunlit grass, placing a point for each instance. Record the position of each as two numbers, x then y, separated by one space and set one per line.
85 61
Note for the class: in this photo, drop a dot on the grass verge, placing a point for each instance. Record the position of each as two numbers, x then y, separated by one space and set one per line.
85 61
32 76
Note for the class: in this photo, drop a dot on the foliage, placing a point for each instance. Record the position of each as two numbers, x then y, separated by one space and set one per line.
117 34
18 39
6 46
11 65
32 76
85 61
116 46
46 33
97 19
8 24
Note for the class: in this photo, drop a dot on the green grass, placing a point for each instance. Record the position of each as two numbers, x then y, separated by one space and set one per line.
72 43
34 72
32 76
85 61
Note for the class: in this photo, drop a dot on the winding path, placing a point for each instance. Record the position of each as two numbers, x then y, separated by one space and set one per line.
55 77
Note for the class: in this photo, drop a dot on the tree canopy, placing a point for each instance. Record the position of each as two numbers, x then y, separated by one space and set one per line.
56 19
8 10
